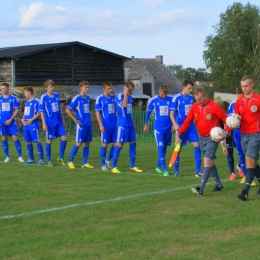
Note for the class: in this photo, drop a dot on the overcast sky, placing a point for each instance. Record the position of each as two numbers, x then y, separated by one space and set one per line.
140 28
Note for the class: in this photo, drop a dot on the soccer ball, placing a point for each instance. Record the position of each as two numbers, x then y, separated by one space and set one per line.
215 133
233 121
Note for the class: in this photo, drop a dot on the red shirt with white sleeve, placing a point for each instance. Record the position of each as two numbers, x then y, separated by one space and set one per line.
249 110
205 116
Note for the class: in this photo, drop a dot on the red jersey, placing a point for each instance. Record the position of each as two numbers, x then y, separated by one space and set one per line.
249 110
206 117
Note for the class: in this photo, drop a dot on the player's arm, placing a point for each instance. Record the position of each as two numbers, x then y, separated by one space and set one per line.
9 121
29 121
125 99
175 126
44 126
71 115
101 127
147 116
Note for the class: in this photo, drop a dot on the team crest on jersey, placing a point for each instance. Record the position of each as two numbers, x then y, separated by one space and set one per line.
253 108
208 116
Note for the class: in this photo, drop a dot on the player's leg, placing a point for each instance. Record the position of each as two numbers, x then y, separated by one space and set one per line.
14 132
113 136
121 139
5 145
230 157
103 149
87 137
49 137
61 132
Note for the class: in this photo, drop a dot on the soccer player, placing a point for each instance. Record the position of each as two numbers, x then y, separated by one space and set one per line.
80 105
207 114
31 128
160 104
125 127
180 108
248 107
52 121
9 108
105 108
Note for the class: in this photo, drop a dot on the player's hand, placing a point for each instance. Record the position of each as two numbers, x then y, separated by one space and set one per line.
177 139
175 127
78 122
223 136
28 122
63 122
125 92
145 130
224 150
44 128
102 129
8 122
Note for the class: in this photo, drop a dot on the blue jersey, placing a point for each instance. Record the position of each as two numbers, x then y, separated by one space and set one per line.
106 106
50 107
181 106
80 105
231 110
124 114
7 107
161 108
31 108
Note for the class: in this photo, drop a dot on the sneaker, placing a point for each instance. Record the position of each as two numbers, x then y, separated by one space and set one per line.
165 173
20 159
240 172
61 161
243 195
88 166
40 163
50 164
104 168
177 175
159 170
218 188
107 164
135 169
115 170
71 165
199 174
7 159
253 184
232 176
197 190
29 161
243 180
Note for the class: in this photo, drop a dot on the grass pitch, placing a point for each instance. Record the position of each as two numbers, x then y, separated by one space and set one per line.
58 213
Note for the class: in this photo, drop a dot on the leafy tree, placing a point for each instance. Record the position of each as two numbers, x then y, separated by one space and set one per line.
234 50
189 73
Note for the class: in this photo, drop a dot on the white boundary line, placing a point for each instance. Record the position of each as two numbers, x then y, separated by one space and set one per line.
93 202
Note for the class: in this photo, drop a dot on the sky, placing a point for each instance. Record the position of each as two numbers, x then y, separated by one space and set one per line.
140 28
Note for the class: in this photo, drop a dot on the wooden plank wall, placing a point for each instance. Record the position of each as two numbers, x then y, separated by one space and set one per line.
68 66
6 71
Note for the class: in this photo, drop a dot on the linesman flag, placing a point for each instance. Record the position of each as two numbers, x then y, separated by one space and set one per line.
175 154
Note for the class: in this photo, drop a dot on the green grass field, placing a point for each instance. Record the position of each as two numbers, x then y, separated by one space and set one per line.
58 213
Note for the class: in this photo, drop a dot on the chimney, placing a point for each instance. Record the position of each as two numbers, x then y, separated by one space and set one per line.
159 58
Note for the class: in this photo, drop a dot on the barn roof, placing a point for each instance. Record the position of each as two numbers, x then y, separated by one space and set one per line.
161 74
20 51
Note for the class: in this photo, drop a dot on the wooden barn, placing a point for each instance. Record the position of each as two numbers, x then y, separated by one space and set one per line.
65 63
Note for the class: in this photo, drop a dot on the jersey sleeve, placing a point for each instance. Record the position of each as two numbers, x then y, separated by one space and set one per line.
174 102
72 104
41 105
16 104
98 105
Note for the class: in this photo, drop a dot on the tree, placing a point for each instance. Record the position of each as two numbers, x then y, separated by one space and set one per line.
188 73
234 50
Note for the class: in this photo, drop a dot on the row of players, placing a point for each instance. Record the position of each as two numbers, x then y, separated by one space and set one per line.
175 114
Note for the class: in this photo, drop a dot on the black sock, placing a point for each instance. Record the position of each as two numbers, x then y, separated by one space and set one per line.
250 173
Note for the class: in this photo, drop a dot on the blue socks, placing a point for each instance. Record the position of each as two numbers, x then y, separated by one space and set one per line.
30 151
62 148
48 151
85 155
116 155
102 153
111 152
197 158
161 157
5 148
74 151
132 154
40 151
18 147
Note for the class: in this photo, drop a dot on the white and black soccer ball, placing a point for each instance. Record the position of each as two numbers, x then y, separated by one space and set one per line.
233 121
216 132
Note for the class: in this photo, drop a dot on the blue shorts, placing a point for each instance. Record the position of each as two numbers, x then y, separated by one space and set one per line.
125 134
109 136
237 140
208 147
190 135
9 130
31 133
163 137
251 145
55 131
83 133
